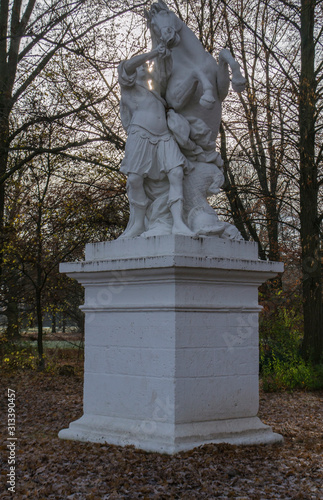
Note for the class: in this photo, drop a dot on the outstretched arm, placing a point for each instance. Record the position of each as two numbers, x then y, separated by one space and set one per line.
136 61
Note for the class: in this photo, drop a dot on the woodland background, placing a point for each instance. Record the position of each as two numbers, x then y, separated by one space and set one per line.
61 144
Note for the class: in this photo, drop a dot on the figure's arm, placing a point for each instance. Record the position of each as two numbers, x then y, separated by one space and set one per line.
136 61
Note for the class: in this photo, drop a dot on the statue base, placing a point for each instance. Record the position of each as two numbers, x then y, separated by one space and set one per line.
171 343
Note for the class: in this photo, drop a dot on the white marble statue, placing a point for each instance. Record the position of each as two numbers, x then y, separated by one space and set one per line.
171 110
151 150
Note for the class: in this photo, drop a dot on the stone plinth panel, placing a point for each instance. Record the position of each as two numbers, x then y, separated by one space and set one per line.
171 342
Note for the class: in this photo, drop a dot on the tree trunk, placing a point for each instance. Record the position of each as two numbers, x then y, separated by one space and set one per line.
41 360
38 290
272 228
53 323
12 314
273 284
4 132
312 347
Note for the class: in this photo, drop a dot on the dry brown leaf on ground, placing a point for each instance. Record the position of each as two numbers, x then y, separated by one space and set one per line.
50 468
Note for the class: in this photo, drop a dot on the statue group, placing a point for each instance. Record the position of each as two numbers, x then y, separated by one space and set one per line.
171 324
171 100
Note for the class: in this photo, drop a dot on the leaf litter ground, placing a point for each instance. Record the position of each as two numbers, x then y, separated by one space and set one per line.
50 468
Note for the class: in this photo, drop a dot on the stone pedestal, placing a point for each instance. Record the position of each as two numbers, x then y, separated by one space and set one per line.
171 343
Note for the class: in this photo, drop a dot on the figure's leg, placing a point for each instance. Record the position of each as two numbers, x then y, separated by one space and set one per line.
207 100
175 201
185 88
138 204
238 81
222 79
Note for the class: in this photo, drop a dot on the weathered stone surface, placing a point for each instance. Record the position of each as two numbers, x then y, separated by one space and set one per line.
171 342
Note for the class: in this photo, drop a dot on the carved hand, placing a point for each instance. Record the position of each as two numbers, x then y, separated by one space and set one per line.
162 50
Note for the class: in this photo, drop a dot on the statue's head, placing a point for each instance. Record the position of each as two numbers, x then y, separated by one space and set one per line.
164 25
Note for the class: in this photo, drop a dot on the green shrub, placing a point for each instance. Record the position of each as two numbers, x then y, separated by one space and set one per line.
281 365
15 356
280 334
290 375
23 355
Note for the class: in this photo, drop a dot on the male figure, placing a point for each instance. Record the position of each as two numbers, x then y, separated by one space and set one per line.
151 150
